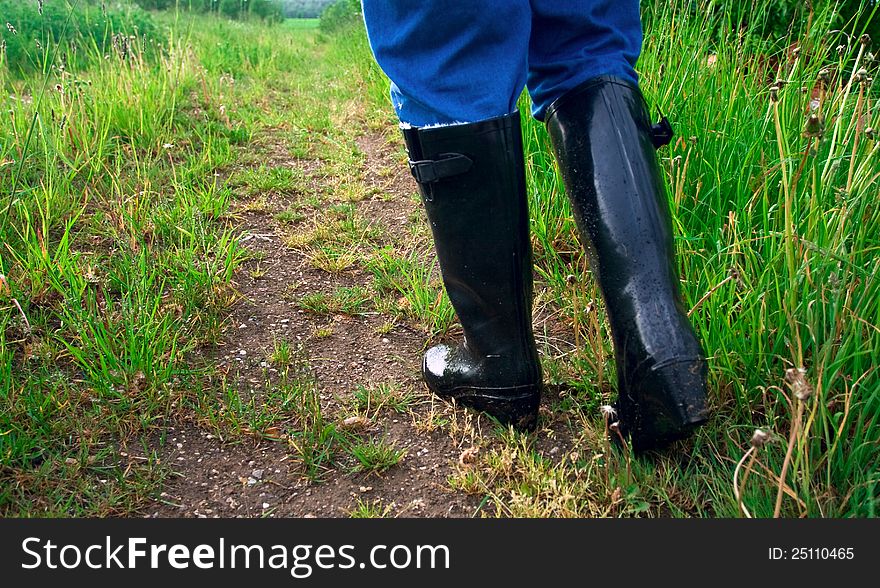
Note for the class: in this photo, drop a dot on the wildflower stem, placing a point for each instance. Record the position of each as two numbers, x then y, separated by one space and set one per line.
738 487
792 437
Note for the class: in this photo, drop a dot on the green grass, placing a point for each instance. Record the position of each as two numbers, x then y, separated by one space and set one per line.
118 250
407 275
374 455
346 300
370 400
117 247
373 509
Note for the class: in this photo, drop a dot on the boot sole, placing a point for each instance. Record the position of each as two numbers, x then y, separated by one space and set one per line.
643 441
516 406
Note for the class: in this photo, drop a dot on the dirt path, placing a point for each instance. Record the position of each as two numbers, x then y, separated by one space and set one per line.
261 477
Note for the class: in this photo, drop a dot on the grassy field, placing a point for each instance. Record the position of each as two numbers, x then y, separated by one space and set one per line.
123 181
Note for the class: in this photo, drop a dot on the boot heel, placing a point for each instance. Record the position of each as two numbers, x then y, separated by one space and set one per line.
515 406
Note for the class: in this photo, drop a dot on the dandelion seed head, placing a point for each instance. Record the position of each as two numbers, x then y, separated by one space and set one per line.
796 378
813 127
759 438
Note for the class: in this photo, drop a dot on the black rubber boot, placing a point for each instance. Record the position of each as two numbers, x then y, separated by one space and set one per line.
604 143
472 182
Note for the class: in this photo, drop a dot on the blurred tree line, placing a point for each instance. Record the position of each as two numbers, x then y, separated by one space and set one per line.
303 8
264 9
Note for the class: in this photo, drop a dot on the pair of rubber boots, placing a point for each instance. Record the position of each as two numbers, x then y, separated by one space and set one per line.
472 181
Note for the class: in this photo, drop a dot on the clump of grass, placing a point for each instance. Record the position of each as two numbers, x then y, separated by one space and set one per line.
372 509
313 439
370 400
282 353
353 300
409 276
374 455
337 240
289 217
268 180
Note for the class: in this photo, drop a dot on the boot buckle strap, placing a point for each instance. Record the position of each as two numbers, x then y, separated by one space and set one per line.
661 133
446 165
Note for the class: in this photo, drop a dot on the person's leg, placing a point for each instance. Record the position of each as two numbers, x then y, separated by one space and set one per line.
573 41
457 69
602 137
450 62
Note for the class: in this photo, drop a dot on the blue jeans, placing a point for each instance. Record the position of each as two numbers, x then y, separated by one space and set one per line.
460 61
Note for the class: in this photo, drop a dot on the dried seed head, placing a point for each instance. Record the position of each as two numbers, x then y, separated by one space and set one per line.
860 76
824 75
870 133
797 381
774 94
813 126
736 276
759 438
11 28
865 39
841 49
608 411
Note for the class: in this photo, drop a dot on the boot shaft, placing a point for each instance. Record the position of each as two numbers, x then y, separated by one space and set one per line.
604 142
472 181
